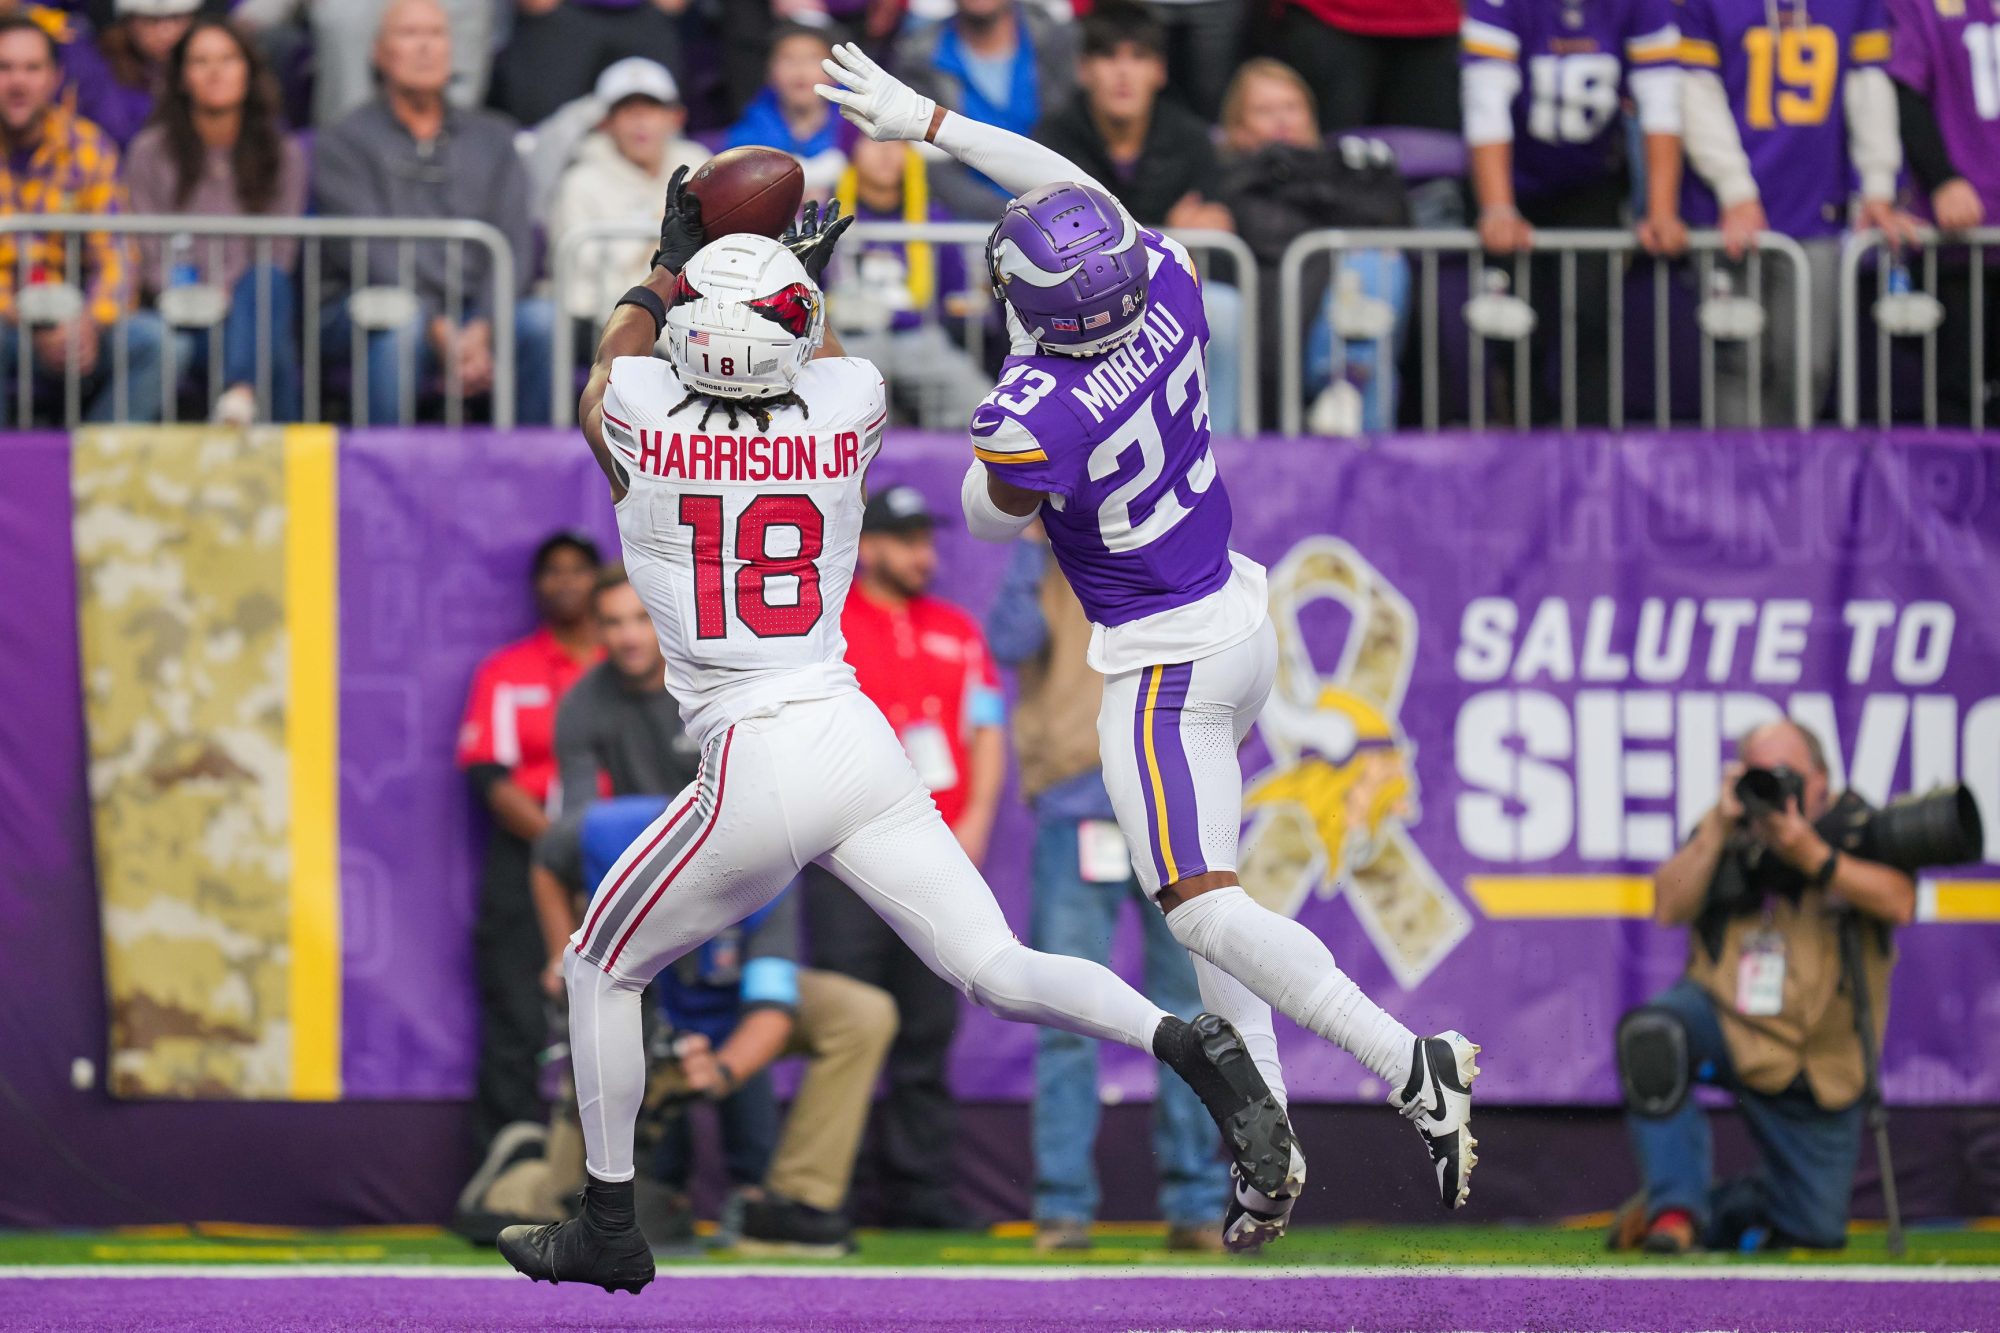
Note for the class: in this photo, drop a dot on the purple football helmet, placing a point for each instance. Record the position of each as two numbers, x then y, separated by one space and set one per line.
1068 262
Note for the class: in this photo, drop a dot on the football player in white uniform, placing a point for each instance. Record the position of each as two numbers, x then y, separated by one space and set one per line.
736 469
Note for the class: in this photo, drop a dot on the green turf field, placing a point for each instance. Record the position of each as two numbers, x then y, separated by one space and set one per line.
1579 1244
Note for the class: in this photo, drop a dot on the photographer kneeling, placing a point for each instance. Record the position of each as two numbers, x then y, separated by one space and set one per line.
1765 1009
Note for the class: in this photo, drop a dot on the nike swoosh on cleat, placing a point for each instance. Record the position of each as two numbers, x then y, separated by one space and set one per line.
1437 1111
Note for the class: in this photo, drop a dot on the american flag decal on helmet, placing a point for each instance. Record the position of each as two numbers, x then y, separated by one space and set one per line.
699 337
791 308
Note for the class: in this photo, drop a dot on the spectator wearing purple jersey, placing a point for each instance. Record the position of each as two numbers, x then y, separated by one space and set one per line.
890 298
136 46
1155 156
559 47
1946 65
1782 107
1001 62
1543 83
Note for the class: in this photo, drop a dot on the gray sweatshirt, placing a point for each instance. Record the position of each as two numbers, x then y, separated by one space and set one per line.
370 166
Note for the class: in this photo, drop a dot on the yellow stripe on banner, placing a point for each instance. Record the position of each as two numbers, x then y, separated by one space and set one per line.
312 739
1530 896
1968 900
1159 788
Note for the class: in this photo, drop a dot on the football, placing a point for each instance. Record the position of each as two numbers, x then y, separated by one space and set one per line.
748 190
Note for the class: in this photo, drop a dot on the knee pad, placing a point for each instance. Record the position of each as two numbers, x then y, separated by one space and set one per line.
1653 1060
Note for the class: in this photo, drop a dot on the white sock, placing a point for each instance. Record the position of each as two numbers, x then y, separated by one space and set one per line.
607 1052
1227 998
1291 969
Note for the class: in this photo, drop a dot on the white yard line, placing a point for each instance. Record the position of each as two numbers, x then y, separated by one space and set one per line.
1855 1273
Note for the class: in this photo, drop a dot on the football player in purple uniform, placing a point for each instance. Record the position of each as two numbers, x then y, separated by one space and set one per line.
1100 427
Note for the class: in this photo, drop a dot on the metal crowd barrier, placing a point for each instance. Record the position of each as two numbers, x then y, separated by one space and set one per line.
314 235
569 266
1855 254
1615 248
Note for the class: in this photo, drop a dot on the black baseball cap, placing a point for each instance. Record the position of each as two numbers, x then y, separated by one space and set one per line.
568 540
899 509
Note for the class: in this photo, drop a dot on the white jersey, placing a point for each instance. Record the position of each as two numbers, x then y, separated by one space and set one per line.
741 542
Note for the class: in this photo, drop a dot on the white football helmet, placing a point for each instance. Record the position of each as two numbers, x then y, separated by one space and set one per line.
745 319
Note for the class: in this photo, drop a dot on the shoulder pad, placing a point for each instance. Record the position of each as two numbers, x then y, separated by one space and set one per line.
998 436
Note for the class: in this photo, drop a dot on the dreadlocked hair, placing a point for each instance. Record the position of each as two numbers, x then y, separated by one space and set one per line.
760 409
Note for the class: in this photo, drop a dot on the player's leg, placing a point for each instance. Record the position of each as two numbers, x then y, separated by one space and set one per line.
719 852
905 863
1169 736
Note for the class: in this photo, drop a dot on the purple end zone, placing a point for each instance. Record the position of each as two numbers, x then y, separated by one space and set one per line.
759 1304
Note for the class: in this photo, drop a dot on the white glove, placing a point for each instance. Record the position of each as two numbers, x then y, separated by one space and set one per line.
875 101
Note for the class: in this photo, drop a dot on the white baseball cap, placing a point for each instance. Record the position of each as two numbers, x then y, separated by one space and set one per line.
635 76
157 9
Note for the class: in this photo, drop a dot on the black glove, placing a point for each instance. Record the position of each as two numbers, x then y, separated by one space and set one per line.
813 236
680 228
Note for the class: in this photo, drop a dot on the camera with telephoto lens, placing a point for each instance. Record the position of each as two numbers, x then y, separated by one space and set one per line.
1769 790
1939 828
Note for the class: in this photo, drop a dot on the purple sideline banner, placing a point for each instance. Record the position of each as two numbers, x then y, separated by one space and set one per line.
1558 635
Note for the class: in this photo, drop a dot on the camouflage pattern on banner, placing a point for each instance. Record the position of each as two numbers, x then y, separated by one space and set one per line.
180 571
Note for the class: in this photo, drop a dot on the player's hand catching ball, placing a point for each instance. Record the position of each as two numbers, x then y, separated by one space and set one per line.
680 227
812 237
873 100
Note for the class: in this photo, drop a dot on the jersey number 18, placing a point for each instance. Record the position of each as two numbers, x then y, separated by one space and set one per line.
752 545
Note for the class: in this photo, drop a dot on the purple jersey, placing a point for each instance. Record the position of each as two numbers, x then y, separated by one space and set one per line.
1140 520
1783 64
1575 59
1948 52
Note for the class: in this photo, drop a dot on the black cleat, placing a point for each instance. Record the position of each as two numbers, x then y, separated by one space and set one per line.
1210 1055
575 1251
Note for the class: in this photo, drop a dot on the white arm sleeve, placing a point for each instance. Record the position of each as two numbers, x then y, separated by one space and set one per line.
984 519
1017 165
1874 139
1657 90
1488 87
1713 145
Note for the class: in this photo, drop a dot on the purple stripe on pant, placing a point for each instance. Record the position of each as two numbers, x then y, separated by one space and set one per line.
1171 785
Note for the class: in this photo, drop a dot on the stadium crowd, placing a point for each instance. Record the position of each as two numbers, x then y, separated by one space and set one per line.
1263 118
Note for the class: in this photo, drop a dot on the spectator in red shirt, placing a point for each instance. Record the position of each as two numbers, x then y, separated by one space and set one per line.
506 747
924 663
1373 62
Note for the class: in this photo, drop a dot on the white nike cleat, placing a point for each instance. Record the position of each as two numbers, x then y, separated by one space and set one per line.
1254 1217
1438 1101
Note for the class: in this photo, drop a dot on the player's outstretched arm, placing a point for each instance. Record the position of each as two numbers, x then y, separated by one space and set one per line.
634 326
883 107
